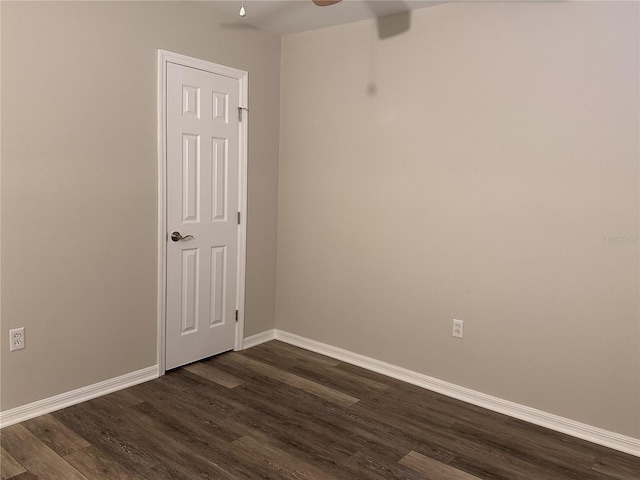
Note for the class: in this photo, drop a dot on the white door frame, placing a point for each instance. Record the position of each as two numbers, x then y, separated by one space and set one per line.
165 57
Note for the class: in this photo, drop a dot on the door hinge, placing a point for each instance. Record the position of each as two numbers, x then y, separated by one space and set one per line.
239 218
236 315
240 109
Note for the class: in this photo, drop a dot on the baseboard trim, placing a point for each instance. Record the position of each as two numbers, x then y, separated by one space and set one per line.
258 338
63 400
592 434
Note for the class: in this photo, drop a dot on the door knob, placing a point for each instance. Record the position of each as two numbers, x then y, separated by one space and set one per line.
175 236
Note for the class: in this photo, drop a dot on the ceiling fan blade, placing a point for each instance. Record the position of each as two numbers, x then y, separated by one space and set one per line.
325 3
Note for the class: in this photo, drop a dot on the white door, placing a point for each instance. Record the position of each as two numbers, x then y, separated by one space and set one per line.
202 147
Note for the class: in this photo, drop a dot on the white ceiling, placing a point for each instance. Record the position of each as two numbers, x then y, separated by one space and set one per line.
292 16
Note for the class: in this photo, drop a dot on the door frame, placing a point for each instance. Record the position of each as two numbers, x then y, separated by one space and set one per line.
165 57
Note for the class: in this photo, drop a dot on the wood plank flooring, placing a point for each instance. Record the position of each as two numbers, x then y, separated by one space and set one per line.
279 412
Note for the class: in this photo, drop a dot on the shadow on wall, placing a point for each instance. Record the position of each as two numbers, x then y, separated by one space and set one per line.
393 25
388 26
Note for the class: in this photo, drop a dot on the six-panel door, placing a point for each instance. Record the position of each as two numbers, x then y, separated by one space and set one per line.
202 201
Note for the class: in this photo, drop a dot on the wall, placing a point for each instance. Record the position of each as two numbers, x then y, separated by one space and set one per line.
79 182
482 165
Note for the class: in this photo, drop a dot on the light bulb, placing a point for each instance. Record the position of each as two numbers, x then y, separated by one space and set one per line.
242 11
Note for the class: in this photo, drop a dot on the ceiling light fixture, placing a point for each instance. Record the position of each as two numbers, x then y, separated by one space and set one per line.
242 10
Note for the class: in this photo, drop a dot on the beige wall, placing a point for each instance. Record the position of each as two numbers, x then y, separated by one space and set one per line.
79 166
472 167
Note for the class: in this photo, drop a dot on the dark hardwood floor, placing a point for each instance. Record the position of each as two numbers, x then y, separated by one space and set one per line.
279 412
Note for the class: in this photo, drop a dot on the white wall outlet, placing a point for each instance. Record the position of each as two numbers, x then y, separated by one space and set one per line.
16 339
458 326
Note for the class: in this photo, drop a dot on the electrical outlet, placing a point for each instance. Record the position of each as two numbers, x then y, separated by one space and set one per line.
16 339
458 328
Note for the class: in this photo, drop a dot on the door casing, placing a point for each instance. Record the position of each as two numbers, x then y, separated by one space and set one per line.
165 57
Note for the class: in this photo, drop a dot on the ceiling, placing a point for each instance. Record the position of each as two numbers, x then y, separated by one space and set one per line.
293 16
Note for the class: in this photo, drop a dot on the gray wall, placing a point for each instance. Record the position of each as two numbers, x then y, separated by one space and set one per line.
482 165
79 188
479 166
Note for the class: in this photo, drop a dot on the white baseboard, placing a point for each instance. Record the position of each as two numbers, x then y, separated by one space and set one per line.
592 434
259 338
58 402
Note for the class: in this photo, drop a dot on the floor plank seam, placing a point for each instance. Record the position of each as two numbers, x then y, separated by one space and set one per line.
277 411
